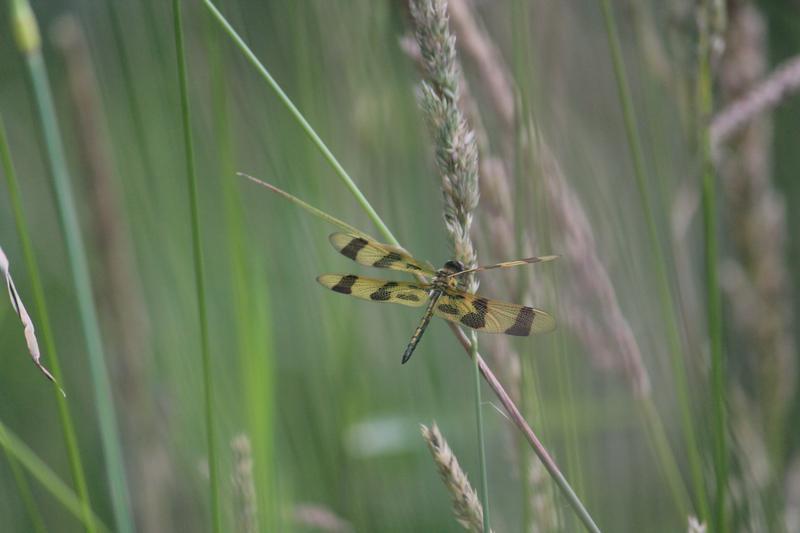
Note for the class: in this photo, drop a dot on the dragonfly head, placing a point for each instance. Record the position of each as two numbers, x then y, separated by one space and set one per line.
453 267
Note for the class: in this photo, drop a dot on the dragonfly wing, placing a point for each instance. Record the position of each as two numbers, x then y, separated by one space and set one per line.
492 316
507 264
376 290
370 253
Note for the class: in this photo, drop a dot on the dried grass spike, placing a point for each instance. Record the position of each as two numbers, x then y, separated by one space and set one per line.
466 505
244 487
695 526
456 146
27 323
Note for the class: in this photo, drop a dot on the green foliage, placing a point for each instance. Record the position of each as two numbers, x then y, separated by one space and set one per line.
311 416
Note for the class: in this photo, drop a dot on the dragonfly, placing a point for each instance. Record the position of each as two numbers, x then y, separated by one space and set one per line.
444 295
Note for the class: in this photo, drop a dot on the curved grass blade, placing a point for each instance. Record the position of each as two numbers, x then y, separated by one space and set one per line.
49 480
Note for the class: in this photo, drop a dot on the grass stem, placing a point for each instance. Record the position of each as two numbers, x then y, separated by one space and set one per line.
197 252
45 330
713 297
301 120
668 309
473 352
48 479
27 32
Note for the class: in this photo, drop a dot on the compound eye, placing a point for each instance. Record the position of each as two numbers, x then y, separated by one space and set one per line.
454 266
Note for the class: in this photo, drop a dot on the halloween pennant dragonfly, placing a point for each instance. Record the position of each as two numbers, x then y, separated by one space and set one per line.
443 295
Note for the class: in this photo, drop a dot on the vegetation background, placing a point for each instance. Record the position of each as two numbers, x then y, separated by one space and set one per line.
316 424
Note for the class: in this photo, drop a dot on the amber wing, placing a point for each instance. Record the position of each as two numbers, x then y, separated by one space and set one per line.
376 290
375 254
492 316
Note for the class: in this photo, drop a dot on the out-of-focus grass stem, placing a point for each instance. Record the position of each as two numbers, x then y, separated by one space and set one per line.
252 329
49 480
197 252
128 86
301 120
713 298
27 34
43 321
25 494
666 299
473 352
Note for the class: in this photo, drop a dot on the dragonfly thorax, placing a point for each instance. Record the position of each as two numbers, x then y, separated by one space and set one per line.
443 280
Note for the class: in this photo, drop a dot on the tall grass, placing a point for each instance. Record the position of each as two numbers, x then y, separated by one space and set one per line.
254 336
711 251
539 449
29 44
200 284
45 329
61 492
665 293
583 158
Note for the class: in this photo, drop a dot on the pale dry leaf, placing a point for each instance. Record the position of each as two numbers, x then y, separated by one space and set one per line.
27 323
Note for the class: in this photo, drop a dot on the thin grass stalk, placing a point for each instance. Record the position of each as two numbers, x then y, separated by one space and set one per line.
781 85
29 44
117 286
128 85
17 449
45 331
197 252
490 67
524 130
251 324
24 492
668 308
538 448
473 352
487 373
301 120
713 298
529 391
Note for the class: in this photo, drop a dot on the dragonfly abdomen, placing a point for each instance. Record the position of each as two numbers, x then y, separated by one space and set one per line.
423 324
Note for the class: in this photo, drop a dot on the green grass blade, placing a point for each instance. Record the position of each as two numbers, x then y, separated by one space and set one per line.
319 213
713 297
473 352
25 495
134 106
76 252
197 252
43 322
253 332
301 120
668 308
39 470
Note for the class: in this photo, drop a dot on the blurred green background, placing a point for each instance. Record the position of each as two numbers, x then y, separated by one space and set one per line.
312 380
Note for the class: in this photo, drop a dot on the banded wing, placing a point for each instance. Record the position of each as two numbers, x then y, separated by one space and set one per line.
507 264
376 290
492 316
375 254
